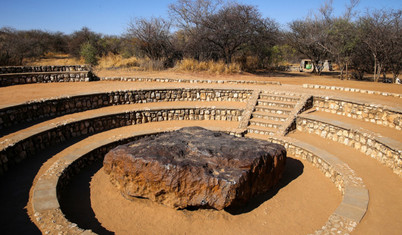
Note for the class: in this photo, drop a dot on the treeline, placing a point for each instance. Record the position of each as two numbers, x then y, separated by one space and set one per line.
214 30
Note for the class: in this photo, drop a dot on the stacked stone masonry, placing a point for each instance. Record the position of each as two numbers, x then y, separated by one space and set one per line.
13 153
174 80
44 74
355 195
349 89
385 151
40 109
39 69
49 188
381 115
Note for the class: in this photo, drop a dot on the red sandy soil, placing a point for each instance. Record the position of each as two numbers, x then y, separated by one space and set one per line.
381 130
303 203
24 93
300 207
293 78
385 188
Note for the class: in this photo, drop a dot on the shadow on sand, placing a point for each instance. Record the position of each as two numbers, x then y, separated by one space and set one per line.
76 205
75 201
294 168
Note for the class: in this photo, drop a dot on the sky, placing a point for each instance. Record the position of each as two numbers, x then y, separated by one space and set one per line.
111 17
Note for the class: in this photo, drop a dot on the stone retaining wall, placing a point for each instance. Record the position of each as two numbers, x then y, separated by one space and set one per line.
38 69
355 195
35 110
173 80
378 114
14 153
27 78
48 189
349 89
383 149
44 74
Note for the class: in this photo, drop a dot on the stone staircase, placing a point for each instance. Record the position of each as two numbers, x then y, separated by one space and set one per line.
273 113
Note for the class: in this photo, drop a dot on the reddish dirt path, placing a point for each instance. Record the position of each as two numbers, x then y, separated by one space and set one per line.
381 130
304 200
385 188
301 207
293 78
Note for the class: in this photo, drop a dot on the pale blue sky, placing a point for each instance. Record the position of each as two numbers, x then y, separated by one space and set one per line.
112 16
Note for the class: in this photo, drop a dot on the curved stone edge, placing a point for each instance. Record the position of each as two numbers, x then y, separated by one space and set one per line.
385 150
46 192
28 143
346 217
374 113
355 194
14 114
305 102
356 90
43 68
195 81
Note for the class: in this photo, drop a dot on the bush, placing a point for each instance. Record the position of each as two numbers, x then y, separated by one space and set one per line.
89 53
219 67
112 61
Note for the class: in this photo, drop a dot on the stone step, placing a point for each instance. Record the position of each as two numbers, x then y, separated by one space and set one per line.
277 110
286 98
262 130
281 93
265 123
270 116
257 136
281 104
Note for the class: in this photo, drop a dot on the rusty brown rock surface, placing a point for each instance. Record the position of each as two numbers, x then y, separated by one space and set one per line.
195 167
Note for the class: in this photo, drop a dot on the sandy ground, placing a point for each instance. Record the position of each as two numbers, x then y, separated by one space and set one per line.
24 93
301 207
382 130
385 188
294 78
303 200
18 134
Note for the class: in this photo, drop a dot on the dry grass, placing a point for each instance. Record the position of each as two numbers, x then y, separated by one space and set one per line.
54 59
191 65
112 62
117 61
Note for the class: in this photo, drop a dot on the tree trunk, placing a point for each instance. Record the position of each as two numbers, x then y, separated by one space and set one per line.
378 71
375 69
347 72
341 67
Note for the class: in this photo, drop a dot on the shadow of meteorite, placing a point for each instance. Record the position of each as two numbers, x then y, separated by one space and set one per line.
75 201
294 168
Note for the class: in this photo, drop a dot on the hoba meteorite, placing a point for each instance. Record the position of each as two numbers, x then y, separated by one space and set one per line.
195 167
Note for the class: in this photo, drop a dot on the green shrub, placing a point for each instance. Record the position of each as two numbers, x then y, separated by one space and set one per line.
89 53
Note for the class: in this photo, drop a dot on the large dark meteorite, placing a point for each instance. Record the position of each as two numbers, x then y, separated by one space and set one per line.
195 167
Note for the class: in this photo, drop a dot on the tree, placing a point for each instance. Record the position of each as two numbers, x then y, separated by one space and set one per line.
153 37
78 38
381 33
218 30
89 53
188 16
342 40
308 37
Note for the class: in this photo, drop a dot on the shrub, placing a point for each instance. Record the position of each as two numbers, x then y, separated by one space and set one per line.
218 67
89 53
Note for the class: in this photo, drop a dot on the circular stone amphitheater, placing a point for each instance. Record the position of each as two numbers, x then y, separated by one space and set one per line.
343 141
